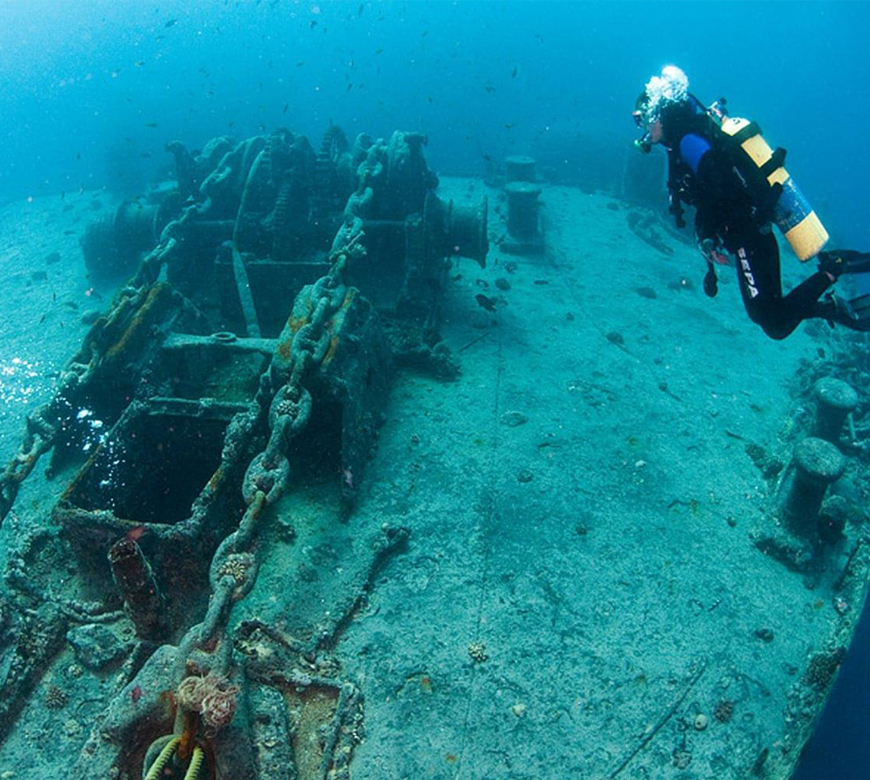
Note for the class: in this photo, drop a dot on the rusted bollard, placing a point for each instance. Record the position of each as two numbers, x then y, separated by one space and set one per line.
834 400
523 209
816 464
520 168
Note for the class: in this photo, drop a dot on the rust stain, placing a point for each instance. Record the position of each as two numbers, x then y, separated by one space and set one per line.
296 322
215 479
330 352
80 474
284 347
138 319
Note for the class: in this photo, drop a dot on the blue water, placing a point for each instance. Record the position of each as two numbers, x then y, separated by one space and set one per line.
90 92
482 78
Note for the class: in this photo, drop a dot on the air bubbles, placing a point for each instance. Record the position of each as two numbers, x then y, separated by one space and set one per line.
16 380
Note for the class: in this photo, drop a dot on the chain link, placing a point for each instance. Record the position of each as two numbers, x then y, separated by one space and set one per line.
286 403
41 434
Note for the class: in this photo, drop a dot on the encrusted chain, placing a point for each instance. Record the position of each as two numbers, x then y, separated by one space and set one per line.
43 423
287 410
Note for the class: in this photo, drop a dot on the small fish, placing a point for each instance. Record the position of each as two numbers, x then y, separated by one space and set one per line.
139 63
286 106
92 293
509 125
541 281
489 88
349 86
71 304
63 195
170 23
300 63
379 51
69 232
152 124
145 155
136 693
457 277
42 318
485 302
514 72
78 156
312 24
359 11
481 283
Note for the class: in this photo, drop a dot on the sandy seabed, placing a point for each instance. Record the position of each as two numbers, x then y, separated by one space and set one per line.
580 594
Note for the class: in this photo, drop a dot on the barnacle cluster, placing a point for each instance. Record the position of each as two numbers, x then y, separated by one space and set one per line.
236 567
822 668
56 698
286 407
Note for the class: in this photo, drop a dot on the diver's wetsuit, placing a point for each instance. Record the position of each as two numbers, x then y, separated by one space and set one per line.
701 175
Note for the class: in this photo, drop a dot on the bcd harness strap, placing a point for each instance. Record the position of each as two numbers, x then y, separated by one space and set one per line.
777 159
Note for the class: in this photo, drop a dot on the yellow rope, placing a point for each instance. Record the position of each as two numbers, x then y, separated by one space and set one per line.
160 761
192 772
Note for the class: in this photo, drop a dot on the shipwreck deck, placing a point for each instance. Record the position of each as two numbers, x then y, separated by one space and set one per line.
580 594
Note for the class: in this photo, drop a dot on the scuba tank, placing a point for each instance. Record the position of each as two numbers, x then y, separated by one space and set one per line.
761 169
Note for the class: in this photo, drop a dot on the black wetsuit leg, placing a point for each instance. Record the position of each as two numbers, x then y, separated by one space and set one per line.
758 272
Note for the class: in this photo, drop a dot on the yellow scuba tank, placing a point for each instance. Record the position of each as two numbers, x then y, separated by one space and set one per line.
792 213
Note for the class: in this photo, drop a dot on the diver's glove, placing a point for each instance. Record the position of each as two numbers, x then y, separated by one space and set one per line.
709 248
711 283
837 262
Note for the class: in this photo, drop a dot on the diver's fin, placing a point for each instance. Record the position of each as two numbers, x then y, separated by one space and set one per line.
854 314
844 261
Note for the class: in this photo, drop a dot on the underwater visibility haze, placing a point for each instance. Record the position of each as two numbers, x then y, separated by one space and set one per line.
434 389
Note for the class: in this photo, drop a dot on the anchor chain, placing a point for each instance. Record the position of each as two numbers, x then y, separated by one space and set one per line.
43 424
287 410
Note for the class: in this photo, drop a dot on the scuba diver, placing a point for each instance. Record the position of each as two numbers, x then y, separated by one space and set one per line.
739 187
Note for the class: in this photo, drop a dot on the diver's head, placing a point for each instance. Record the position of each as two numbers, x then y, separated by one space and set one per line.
660 93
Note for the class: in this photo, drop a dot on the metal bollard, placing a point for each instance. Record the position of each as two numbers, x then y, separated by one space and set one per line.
835 399
523 209
520 168
815 465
